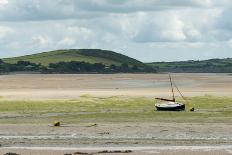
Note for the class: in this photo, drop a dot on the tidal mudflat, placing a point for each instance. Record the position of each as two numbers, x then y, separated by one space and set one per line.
59 86
108 112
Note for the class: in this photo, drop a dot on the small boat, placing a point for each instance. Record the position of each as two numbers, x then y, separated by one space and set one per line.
170 104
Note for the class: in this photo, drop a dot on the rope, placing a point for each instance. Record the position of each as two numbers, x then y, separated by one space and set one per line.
179 91
185 99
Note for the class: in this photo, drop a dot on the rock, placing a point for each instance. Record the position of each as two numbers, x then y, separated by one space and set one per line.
191 109
56 123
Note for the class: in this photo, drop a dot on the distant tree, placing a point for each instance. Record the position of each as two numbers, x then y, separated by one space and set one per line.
135 68
24 63
124 67
76 67
149 69
113 67
99 66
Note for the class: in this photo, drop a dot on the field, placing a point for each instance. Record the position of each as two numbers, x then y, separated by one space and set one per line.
114 112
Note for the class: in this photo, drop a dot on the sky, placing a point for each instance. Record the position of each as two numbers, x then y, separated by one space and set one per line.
148 30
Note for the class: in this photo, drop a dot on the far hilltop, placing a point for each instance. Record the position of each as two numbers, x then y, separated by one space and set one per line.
75 61
105 61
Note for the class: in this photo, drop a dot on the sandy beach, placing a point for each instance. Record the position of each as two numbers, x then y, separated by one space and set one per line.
53 86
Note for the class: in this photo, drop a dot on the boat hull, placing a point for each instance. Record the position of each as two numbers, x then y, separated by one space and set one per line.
179 107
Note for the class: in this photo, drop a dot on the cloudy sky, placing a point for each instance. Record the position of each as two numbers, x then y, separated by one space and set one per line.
149 30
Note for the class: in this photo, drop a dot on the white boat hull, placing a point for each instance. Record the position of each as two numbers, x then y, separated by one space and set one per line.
170 106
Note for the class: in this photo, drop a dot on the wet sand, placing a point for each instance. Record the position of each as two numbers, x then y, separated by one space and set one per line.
174 150
116 134
41 87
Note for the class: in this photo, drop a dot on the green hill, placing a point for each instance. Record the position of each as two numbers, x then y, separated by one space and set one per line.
105 61
74 61
82 55
204 66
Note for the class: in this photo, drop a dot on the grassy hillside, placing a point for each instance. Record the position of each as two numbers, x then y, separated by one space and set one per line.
86 60
74 61
209 66
86 55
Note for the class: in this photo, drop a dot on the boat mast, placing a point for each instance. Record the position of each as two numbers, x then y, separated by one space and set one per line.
173 95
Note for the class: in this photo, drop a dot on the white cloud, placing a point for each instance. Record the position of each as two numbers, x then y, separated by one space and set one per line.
230 43
43 41
80 32
3 2
173 29
33 10
67 42
131 27
4 31
164 26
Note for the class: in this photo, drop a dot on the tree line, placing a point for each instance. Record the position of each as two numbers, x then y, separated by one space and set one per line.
71 67
206 66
